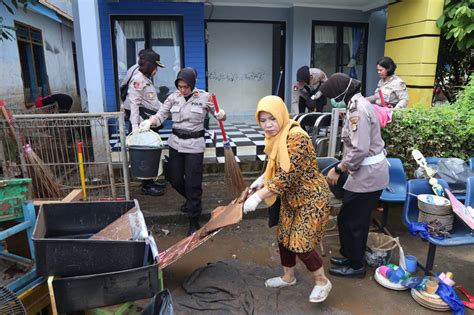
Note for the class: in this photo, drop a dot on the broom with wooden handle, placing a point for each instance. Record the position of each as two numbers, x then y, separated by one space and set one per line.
232 175
44 183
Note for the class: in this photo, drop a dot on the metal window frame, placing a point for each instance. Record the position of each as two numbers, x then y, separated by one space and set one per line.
147 19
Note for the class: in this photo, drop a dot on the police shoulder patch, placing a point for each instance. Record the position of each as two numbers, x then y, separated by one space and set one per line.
196 93
403 85
354 123
137 85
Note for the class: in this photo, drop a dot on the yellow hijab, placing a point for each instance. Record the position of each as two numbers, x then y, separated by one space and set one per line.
276 146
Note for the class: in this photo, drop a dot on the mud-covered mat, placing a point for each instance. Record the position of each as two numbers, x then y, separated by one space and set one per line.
232 287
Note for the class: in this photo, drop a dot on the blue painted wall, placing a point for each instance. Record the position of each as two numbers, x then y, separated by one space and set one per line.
193 29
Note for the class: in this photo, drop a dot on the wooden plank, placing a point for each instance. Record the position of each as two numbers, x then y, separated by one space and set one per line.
74 195
119 230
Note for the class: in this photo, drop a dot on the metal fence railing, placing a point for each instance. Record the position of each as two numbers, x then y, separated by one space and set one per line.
53 139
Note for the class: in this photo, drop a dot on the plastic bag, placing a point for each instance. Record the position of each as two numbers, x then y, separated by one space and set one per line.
144 138
454 171
161 304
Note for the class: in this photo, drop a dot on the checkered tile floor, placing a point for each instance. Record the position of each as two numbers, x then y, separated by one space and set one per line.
247 142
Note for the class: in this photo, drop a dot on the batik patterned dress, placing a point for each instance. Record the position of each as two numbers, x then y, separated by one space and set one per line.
304 195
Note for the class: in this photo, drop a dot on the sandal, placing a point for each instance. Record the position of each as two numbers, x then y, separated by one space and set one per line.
278 282
320 292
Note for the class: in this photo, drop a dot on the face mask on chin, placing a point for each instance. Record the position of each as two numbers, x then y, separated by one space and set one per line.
341 103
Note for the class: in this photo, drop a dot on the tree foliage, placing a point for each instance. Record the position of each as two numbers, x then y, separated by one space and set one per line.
455 56
6 31
457 21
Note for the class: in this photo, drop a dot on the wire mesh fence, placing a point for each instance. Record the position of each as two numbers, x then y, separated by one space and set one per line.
46 151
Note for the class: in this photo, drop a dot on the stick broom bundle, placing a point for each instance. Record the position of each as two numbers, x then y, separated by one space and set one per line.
232 175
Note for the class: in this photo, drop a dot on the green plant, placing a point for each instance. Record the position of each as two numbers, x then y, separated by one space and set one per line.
457 21
443 131
6 32
455 58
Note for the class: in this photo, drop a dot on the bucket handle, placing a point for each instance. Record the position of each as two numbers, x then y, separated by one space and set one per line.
387 242
401 254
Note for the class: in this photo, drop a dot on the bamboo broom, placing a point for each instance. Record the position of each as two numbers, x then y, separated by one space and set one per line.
43 181
232 175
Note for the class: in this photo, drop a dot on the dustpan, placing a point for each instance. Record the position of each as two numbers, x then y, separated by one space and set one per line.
220 218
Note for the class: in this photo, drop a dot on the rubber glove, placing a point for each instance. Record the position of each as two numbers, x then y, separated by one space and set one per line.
220 114
316 96
145 125
251 203
258 183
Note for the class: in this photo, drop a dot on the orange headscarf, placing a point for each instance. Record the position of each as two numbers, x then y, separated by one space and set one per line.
276 146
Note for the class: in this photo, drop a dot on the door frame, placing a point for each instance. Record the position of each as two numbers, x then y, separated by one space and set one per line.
147 19
340 26
282 61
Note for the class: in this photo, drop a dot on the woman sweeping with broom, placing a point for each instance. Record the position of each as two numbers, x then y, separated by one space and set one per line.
188 107
292 174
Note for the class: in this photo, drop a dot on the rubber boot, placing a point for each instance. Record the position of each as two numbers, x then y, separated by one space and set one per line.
193 225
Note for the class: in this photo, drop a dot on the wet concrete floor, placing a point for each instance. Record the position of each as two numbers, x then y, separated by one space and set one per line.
252 242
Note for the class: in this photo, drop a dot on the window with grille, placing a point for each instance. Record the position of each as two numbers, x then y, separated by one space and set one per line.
33 65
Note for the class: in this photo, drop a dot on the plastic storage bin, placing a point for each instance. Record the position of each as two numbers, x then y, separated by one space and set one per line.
62 244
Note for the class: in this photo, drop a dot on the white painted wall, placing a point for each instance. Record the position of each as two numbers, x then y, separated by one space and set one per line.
239 65
57 44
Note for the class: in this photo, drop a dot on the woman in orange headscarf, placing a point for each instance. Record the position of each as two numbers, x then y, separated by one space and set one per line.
292 174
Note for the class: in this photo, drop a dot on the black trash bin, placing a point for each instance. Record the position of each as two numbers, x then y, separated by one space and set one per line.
144 161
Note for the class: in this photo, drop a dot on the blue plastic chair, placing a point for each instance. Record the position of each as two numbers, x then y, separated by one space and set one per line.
433 160
397 187
460 234
470 190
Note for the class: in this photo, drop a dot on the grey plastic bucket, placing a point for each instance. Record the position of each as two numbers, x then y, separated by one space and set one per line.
144 161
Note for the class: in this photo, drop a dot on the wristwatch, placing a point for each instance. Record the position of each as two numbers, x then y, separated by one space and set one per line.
338 170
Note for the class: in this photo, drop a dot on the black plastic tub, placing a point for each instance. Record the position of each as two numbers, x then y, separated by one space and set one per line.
91 291
62 247
144 161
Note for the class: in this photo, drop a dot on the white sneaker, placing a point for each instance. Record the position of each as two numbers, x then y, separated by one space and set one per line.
278 282
320 292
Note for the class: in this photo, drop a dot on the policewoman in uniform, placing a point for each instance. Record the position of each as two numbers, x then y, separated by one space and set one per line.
394 90
362 172
306 90
188 107
142 101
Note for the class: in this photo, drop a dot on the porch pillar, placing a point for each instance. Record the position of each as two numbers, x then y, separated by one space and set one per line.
89 55
412 41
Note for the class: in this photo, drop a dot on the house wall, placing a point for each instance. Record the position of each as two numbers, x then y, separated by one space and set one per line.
57 45
299 29
193 29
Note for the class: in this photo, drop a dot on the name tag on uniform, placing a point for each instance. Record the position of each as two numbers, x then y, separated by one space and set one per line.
196 104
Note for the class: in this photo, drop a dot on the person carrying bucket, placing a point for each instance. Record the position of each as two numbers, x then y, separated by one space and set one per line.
142 101
188 108
362 173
